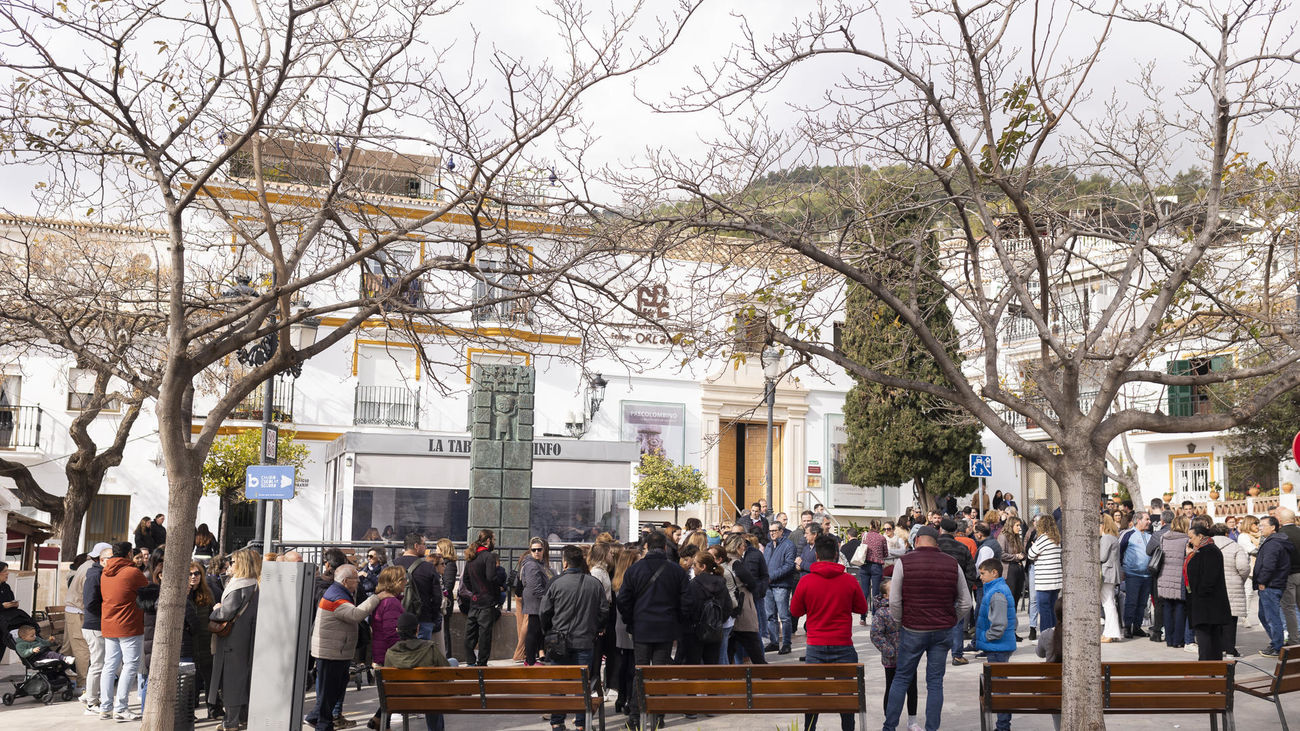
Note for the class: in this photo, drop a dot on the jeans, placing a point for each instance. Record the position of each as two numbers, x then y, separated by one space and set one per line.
1004 719
1175 621
478 633
760 611
869 577
722 658
95 641
1033 599
142 684
1046 601
1137 589
333 683
426 630
648 653
934 644
1289 609
1270 615
820 654
124 650
959 638
576 657
778 607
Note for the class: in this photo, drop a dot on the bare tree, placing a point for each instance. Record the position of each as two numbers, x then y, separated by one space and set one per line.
1048 204
284 148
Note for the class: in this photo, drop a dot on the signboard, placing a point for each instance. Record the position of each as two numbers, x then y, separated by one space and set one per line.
814 467
842 493
658 429
269 482
981 465
270 442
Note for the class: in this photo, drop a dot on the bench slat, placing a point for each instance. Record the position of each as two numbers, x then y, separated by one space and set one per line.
1025 703
773 687
764 704
1197 668
1181 686
1025 669
472 704
536 672
403 688
1027 685
730 672
1165 702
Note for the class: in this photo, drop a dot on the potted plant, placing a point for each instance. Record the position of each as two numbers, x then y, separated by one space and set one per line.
1287 488
1169 496
1214 491
1253 490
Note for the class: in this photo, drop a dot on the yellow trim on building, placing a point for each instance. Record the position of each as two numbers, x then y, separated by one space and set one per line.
358 342
470 332
302 436
1172 457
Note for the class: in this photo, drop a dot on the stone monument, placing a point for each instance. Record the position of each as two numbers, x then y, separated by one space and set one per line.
501 454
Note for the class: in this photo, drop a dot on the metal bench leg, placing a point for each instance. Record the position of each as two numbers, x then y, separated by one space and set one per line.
1277 701
1214 722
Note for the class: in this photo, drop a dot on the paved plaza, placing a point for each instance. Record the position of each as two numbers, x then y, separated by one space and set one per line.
961 702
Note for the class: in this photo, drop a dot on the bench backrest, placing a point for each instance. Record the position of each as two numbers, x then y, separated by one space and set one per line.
1288 670
558 688
1127 687
829 688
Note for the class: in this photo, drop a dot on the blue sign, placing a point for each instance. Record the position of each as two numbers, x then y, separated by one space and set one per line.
981 465
269 482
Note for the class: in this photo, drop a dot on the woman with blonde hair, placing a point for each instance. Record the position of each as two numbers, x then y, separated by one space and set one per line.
1046 555
626 665
449 576
1110 561
1248 538
233 654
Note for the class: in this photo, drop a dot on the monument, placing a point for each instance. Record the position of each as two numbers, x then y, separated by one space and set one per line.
501 453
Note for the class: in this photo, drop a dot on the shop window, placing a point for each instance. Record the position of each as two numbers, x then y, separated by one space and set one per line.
431 512
578 515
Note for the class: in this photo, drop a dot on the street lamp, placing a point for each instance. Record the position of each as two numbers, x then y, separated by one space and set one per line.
577 425
301 336
771 359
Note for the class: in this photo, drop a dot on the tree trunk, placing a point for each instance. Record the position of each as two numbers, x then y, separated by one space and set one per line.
184 473
1081 704
81 490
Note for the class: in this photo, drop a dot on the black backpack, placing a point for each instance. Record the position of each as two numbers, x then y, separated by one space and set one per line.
411 601
517 582
709 628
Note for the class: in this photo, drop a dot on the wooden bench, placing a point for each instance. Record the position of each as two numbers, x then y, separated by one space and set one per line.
1285 678
1127 687
829 688
56 618
489 690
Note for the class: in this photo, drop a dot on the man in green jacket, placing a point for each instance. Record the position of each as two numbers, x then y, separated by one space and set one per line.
410 652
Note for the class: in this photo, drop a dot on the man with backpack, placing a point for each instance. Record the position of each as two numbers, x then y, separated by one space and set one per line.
829 597
423 596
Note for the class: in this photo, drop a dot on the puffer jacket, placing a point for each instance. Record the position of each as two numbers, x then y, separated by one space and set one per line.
1110 559
1169 584
748 619
334 633
1236 569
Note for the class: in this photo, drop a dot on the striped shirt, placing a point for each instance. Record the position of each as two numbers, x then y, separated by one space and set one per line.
1046 555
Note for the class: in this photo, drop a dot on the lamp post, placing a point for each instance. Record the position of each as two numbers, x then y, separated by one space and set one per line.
771 359
256 354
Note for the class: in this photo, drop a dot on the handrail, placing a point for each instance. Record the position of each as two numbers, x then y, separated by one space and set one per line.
800 493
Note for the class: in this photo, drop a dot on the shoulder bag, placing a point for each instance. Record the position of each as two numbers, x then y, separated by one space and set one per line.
223 627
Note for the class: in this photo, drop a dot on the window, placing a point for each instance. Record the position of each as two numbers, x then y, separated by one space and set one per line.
497 289
1193 400
108 519
750 327
1191 475
382 271
385 393
428 511
81 391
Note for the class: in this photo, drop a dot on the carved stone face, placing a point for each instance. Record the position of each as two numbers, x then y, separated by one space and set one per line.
506 404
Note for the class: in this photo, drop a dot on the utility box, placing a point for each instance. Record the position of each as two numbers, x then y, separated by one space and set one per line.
281 646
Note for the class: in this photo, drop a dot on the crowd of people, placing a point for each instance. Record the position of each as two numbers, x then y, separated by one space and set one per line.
935 585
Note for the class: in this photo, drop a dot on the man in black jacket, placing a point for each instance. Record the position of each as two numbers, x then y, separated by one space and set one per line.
650 602
92 601
952 547
428 584
575 609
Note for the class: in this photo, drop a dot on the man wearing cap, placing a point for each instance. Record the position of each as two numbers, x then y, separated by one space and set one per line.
74 643
91 605
927 593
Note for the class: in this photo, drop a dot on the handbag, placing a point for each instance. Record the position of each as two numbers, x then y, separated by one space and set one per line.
223 627
859 556
1156 560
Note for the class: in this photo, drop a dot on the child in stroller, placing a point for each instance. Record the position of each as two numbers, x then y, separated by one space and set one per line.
46 671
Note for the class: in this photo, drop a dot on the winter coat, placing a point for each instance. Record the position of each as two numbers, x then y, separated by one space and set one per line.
483 580
574 606
415 654
535 575
700 590
120 615
965 559
756 564
830 598
147 599
1169 584
232 655
1236 570
334 633
383 628
1207 593
76 587
748 619
1109 559
1273 562
780 562
653 611
91 599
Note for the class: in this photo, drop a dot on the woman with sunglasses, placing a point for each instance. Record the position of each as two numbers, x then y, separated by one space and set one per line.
535 574
368 573
201 599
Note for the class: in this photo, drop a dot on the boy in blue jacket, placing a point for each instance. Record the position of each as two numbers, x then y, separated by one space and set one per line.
995 625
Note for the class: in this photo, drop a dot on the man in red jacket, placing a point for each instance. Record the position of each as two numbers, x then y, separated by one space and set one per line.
122 623
829 597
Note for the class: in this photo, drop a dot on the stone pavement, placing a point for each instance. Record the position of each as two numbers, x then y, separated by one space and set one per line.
961 702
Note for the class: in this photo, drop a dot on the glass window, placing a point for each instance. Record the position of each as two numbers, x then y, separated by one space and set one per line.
432 512
578 514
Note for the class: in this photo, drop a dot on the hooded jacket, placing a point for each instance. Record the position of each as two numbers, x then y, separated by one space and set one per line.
652 608
120 615
575 607
1273 562
334 636
830 598
92 600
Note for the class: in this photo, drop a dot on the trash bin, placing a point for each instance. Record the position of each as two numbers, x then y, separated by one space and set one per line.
186 686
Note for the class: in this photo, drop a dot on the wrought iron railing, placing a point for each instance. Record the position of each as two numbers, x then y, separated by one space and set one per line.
281 402
387 406
1020 421
375 285
20 427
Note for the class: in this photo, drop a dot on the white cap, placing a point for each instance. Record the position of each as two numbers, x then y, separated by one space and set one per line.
99 549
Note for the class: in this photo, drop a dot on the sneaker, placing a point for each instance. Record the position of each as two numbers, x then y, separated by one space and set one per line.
915 727
959 661
126 717
1191 648
343 722
785 650
1268 652
90 711
106 716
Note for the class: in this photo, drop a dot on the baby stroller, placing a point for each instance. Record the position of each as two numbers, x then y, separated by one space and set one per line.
42 679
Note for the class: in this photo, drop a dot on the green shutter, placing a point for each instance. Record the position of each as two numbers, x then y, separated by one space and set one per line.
1180 397
1220 363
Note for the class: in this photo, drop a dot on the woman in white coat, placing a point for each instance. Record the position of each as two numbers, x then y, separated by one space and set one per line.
1248 539
1110 561
1236 572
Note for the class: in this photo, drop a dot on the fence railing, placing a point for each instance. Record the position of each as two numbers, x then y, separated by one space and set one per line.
20 427
386 406
281 402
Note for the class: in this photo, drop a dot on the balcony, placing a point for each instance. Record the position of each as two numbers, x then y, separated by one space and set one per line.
376 285
1020 328
281 402
1022 422
20 427
386 406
